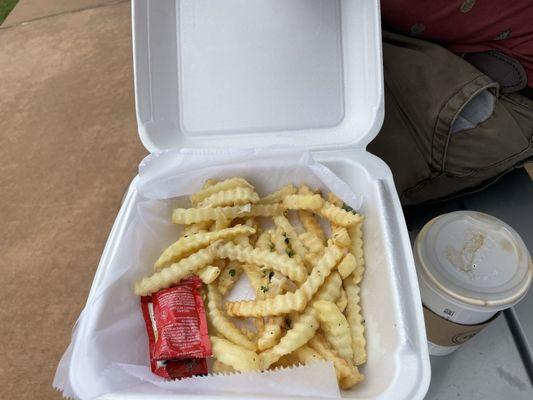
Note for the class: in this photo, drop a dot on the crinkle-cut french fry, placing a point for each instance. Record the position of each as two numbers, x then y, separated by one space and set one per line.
209 274
306 355
244 240
319 344
277 284
356 233
358 273
304 189
342 301
217 187
221 368
228 276
238 221
270 231
278 195
303 329
303 324
253 238
235 356
210 328
221 224
310 258
288 360
335 327
260 286
340 236
355 319
175 273
347 375
220 263
311 224
255 277
209 182
271 333
308 219
292 301
187 245
259 324
193 215
329 291
263 258
347 265
338 216
280 242
252 223
331 288
196 228
290 233
230 197
303 202
248 333
351 380
263 241
265 210
312 242
333 199
272 329
287 285
222 323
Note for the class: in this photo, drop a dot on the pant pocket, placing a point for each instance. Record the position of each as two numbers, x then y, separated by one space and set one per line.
498 140
503 138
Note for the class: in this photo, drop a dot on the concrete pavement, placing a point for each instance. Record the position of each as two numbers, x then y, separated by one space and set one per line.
30 10
69 148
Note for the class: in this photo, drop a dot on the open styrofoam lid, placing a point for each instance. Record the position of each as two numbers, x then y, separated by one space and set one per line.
254 73
474 258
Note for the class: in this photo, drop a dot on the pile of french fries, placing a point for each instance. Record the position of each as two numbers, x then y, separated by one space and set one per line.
307 304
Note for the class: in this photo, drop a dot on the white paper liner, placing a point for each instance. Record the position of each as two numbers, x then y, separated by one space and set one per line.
110 331
317 378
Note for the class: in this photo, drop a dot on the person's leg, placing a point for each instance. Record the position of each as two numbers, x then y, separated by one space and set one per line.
446 127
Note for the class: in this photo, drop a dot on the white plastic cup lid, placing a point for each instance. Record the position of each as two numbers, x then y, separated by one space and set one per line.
475 259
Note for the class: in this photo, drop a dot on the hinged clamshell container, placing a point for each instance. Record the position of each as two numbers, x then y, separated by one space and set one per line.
259 73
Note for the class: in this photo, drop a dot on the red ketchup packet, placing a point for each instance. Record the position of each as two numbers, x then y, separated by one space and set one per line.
177 330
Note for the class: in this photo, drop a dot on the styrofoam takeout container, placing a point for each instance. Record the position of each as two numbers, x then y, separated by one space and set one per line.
257 73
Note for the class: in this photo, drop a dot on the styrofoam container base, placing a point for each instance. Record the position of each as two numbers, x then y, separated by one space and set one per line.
398 364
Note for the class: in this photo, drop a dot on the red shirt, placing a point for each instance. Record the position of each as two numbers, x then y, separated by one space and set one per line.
468 26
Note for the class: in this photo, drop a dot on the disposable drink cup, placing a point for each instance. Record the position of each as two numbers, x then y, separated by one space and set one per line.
470 266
